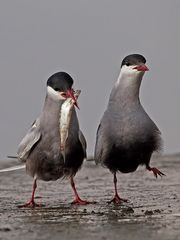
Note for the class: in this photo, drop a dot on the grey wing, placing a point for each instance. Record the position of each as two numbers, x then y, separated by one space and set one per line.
31 138
83 142
104 143
98 147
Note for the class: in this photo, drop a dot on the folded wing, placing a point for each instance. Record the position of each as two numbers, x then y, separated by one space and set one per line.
28 142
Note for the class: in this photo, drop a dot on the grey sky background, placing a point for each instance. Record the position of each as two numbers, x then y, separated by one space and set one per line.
88 39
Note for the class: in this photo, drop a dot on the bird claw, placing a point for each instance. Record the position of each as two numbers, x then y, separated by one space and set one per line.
117 200
156 172
30 204
79 201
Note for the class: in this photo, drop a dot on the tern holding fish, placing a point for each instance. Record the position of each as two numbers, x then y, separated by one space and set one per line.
54 147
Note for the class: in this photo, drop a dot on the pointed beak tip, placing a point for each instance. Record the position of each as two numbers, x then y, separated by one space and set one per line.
147 69
71 95
76 105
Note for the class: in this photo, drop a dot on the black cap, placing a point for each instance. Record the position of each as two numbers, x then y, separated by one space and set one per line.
133 59
60 81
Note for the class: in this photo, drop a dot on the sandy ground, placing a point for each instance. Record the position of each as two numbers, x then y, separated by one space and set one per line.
153 210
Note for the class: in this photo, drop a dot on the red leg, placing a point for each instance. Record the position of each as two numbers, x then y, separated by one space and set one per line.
31 203
78 200
155 171
116 199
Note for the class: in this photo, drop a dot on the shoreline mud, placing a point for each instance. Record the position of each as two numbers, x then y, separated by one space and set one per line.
153 210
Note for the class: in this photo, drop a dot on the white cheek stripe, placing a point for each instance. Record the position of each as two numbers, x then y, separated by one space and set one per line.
54 95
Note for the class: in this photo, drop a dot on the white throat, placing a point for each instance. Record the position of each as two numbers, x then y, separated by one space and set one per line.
126 88
129 77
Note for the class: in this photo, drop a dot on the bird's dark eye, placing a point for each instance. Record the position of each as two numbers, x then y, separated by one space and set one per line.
56 89
127 64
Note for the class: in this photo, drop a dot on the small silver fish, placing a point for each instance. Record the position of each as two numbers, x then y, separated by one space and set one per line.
65 118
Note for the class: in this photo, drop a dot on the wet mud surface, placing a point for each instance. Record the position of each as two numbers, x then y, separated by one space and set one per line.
153 210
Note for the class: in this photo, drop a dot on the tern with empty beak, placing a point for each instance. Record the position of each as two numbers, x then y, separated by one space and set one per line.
126 136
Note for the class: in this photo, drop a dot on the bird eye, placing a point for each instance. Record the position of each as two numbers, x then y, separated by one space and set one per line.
127 64
56 89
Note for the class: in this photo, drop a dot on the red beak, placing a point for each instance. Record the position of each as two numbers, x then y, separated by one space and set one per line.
141 68
70 94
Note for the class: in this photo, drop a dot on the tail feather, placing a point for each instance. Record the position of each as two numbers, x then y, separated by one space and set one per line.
14 168
12 156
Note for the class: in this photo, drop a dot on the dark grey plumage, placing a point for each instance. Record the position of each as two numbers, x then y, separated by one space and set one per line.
126 136
40 148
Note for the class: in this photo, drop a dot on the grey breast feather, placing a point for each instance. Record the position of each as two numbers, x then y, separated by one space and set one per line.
31 138
83 142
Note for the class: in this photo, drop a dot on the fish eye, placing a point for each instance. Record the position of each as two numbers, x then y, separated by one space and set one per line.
63 94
